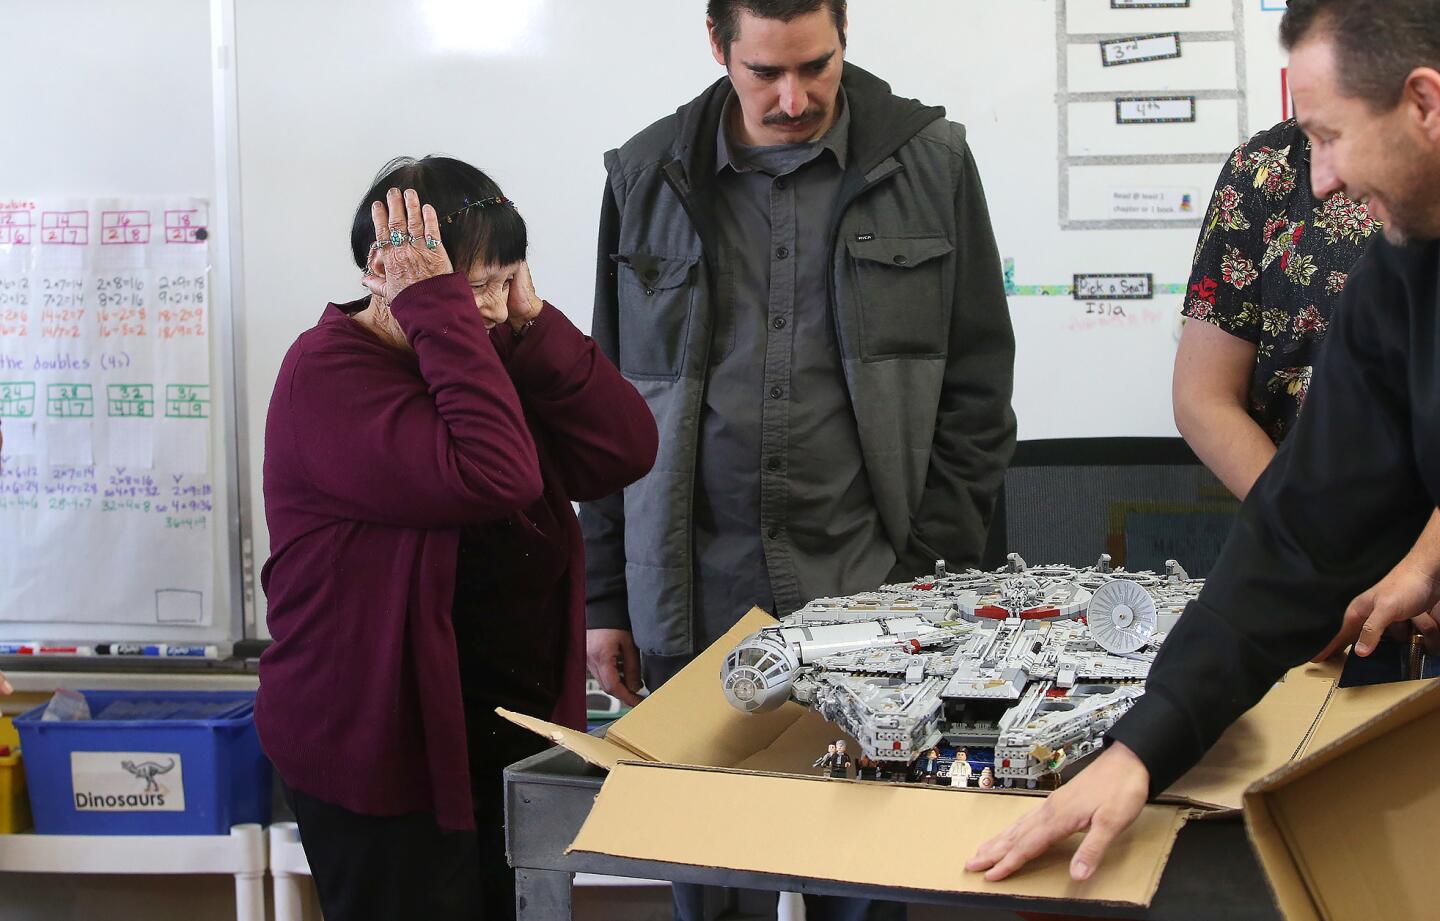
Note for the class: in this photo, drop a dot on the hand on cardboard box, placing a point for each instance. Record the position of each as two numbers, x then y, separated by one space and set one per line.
614 660
1102 800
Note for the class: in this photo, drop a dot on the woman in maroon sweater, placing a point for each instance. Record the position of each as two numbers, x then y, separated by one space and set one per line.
422 451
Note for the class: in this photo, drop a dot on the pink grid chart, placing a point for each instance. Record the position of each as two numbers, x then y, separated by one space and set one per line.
124 228
184 227
16 228
65 228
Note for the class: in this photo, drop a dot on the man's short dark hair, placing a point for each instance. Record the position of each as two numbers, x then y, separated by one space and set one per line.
726 15
490 235
1377 42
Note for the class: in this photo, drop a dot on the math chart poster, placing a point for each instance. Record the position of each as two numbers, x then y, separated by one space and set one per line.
106 500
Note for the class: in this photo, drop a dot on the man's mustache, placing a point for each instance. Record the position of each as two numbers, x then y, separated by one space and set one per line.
780 118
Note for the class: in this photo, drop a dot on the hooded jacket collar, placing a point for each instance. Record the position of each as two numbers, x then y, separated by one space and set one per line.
880 123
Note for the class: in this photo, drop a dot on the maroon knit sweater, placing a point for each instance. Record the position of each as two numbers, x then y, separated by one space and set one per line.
375 459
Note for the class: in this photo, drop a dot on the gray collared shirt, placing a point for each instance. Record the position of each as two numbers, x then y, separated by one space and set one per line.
783 509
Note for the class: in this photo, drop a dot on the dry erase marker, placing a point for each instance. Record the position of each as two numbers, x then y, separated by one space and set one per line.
158 649
196 652
41 649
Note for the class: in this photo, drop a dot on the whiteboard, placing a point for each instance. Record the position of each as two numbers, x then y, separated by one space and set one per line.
534 91
108 102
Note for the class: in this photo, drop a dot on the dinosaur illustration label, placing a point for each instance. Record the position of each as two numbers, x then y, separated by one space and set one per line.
127 782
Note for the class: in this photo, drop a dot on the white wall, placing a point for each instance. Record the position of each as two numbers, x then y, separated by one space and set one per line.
534 91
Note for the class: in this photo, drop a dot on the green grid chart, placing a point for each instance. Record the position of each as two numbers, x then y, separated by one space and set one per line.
69 401
132 401
17 399
187 401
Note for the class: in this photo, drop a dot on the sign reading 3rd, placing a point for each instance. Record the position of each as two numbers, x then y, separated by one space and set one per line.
187 401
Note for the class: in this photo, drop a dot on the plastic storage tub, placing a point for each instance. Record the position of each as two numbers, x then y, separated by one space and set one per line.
148 763
14 801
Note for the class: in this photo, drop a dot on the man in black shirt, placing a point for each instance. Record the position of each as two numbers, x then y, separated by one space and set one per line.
1349 491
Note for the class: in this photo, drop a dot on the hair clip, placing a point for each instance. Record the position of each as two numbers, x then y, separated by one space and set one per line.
482 203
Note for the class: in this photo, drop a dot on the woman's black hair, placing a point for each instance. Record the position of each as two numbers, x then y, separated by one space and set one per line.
488 234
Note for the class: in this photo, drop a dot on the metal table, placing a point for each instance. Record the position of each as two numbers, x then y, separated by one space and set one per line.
1212 873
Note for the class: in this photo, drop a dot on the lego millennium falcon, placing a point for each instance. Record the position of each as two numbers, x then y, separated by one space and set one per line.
1022 670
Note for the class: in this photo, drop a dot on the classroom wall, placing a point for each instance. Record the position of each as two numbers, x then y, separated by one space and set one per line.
534 91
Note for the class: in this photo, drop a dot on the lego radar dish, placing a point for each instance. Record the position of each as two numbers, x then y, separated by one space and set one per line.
1122 617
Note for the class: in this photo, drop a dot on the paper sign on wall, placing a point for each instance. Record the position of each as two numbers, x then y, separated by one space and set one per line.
105 408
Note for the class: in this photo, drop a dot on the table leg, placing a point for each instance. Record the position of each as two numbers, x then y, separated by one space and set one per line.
541 895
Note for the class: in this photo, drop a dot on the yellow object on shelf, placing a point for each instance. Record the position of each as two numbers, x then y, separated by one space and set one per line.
14 798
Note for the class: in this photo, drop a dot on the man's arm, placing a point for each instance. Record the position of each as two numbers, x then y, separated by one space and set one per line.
1339 505
975 426
610 646
1213 369
1215 365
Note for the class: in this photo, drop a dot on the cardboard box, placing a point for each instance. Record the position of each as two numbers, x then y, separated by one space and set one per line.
1346 832
684 764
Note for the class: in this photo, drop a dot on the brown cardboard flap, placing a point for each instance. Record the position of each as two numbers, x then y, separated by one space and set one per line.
688 721
599 752
1264 739
1341 833
1350 708
790 826
795 749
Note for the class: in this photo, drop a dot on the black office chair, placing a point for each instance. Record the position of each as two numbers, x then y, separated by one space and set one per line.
1141 500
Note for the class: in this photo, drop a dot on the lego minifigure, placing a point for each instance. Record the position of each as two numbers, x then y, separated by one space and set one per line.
867 768
928 767
835 761
960 769
987 778
823 762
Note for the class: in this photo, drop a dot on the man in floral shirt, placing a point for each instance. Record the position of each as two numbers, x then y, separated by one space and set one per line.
1270 265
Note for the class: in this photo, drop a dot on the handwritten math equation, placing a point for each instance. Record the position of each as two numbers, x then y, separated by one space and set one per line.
138 304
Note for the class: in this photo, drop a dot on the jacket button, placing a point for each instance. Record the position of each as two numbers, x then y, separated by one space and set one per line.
773 463
778 323
776 393
781 252
781 183
900 259
774 533
650 292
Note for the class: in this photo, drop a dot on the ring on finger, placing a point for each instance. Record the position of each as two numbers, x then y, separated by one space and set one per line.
380 244
396 237
431 242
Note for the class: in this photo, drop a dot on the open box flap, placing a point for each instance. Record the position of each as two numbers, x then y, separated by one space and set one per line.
1341 832
1270 735
853 831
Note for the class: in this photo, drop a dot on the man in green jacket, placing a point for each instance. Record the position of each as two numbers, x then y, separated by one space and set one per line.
797 271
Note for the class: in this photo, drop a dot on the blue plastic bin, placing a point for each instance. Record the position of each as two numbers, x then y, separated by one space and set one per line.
119 772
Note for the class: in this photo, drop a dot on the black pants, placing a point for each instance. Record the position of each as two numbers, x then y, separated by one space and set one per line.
378 868
710 903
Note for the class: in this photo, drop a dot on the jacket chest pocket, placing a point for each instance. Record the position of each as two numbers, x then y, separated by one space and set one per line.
901 293
656 297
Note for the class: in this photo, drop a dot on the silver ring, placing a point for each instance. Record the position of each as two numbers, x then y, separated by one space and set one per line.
431 242
396 238
380 244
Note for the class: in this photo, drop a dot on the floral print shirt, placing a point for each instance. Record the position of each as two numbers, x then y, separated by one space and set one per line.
1271 263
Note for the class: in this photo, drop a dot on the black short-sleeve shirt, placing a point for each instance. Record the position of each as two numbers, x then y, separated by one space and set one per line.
1270 265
